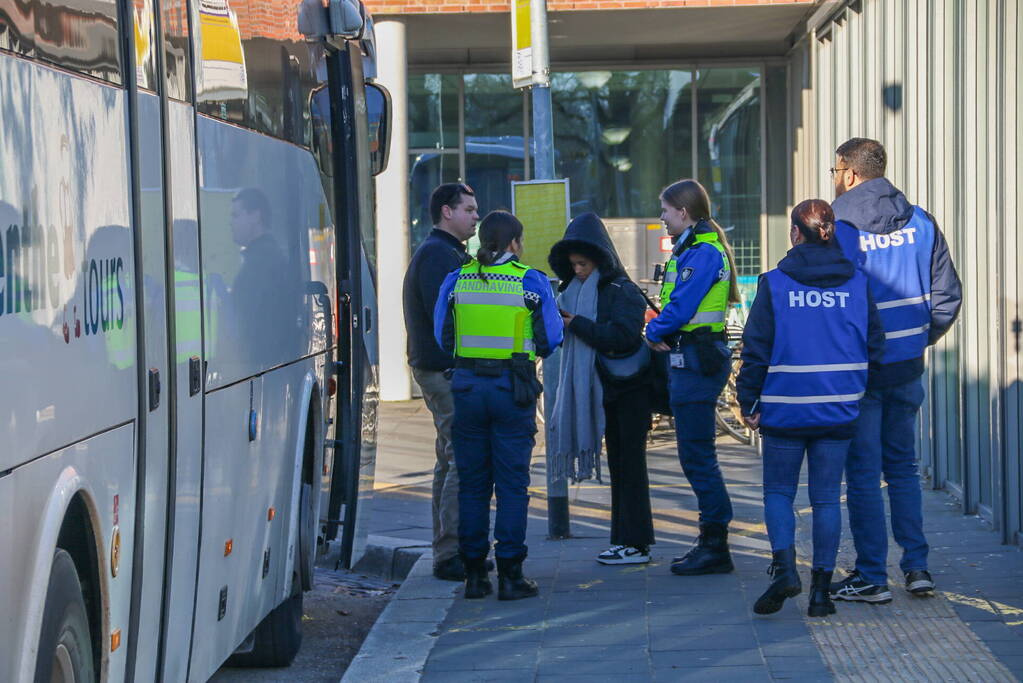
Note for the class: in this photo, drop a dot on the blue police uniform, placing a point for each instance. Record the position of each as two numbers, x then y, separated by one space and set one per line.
810 337
917 291
493 437
693 395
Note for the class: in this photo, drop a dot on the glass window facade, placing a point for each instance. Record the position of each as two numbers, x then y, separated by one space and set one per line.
619 137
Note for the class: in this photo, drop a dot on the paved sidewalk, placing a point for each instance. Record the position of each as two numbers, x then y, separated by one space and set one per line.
642 623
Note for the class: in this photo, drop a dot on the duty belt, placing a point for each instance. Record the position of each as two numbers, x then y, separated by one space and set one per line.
696 336
485 367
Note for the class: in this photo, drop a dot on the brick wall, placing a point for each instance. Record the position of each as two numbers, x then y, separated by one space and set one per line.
379 7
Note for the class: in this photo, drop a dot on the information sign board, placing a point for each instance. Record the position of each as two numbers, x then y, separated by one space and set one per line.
542 206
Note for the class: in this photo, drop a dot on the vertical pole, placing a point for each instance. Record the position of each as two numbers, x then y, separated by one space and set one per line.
543 160
392 208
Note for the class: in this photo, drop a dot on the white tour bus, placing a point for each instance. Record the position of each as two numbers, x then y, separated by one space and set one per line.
188 352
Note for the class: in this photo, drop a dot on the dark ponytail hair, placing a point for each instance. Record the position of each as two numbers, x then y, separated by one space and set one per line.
816 221
498 230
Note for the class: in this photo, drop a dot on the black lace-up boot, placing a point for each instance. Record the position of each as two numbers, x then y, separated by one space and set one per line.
511 584
710 555
785 583
477 582
820 595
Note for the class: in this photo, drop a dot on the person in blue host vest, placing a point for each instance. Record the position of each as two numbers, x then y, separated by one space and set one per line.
811 336
905 257
496 316
691 326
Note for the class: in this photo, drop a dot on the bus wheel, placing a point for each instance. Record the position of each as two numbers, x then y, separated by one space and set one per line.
65 646
279 636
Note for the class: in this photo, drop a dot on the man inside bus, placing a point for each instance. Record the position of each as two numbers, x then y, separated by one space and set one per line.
454 214
261 302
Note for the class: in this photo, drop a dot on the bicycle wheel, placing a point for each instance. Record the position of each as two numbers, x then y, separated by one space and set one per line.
728 415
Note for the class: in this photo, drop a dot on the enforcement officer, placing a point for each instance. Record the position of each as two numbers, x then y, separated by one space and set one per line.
699 285
918 294
810 337
498 316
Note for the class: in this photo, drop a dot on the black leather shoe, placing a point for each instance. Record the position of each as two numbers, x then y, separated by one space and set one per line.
710 555
820 594
477 582
785 584
451 569
511 584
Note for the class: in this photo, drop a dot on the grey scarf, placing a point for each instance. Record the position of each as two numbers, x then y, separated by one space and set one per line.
577 422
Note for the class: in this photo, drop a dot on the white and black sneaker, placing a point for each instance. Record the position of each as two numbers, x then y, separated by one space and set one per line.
919 582
854 588
624 554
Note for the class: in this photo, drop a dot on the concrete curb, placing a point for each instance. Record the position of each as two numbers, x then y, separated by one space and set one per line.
391 558
396 648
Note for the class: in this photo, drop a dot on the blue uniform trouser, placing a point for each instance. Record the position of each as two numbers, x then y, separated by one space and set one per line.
825 460
693 401
884 443
493 440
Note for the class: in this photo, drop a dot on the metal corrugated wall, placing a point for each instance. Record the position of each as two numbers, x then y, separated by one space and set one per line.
937 81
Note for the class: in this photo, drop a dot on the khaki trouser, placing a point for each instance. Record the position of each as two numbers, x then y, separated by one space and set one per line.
437 394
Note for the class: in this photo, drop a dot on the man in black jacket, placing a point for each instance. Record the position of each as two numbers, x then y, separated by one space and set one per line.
454 213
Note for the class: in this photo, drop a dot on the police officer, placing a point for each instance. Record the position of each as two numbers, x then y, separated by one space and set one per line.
918 294
811 334
699 285
498 316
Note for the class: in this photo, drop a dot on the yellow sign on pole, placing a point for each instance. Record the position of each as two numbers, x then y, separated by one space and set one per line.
522 44
543 208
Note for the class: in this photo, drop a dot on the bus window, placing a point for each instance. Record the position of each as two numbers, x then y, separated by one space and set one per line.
145 55
257 70
174 18
80 35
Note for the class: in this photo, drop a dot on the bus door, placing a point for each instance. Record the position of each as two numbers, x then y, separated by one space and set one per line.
356 160
171 407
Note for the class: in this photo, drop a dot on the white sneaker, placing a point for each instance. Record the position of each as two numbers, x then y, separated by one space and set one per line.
624 554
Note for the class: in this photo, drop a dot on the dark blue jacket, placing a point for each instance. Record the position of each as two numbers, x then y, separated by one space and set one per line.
438 255
814 265
879 208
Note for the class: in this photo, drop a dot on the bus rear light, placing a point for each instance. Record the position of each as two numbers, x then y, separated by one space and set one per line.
115 639
228 546
331 386
270 514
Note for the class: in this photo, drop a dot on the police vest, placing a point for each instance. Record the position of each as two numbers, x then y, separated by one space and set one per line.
898 268
713 308
819 361
491 316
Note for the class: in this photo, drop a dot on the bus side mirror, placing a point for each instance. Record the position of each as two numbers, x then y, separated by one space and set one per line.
345 17
378 120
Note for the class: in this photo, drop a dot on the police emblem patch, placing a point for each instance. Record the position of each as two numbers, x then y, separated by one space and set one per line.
685 274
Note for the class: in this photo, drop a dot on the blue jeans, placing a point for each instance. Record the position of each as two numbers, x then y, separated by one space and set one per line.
783 458
885 443
493 440
693 400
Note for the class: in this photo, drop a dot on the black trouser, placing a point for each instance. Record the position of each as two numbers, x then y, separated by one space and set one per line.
628 421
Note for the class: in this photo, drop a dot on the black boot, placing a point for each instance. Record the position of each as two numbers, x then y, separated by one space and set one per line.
710 555
785 583
477 582
820 597
511 584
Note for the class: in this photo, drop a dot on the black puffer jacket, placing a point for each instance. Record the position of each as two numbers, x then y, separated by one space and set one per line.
621 307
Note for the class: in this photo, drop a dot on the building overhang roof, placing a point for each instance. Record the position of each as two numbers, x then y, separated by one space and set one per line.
610 36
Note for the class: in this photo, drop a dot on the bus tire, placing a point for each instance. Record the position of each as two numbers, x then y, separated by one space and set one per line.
65 643
278 637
